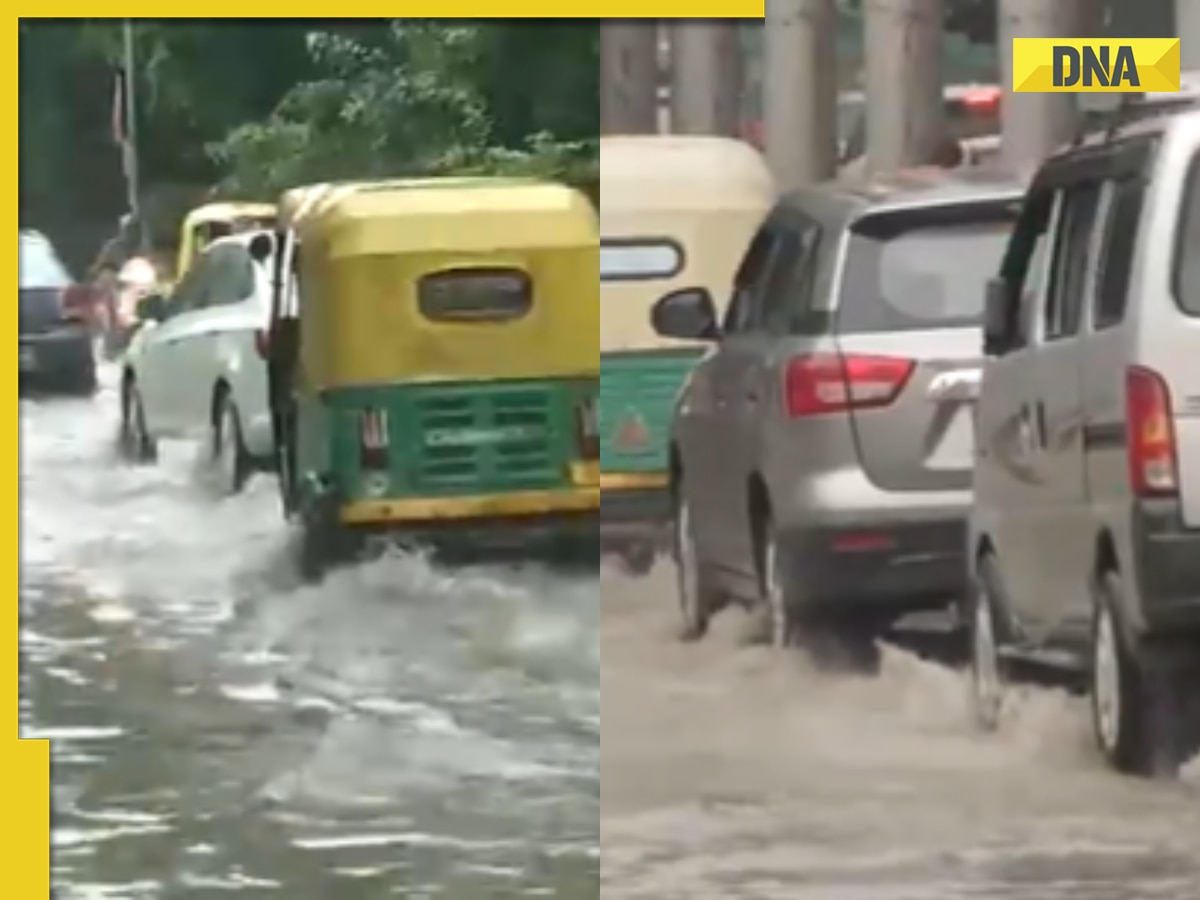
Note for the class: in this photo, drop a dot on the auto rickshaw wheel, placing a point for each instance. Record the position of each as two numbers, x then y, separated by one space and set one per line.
229 458
325 543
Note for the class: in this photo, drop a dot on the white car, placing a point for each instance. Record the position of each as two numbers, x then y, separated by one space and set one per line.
196 369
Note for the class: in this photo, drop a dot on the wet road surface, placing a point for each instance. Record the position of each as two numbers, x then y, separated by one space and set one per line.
221 731
733 774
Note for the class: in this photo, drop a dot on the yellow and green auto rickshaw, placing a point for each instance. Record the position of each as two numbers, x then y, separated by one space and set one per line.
674 211
205 224
432 367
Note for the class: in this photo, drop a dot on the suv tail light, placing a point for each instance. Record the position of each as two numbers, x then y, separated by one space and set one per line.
374 441
589 430
830 383
1153 455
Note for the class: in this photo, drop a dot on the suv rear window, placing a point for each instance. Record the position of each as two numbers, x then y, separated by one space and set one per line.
916 271
38 266
1187 260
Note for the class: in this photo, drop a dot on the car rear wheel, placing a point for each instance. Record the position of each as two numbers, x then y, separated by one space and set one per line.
230 460
1139 697
782 619
134 442
698 602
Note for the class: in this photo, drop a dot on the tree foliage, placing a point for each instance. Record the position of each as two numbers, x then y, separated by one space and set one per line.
247 109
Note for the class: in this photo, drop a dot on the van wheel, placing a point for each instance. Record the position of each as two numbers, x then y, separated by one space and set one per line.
989 674
698 601
230 461
134 443
1137 698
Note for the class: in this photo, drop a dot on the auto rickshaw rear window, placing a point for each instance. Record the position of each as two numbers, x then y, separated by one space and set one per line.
475 295
640 260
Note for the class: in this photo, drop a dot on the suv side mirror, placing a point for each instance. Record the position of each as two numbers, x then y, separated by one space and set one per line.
998 321
152 308
686 315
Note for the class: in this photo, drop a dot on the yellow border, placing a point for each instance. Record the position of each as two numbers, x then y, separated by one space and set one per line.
476 9
463 509
25 764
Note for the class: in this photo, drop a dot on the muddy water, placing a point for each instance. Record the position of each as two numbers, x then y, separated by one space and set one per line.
219 729
729 772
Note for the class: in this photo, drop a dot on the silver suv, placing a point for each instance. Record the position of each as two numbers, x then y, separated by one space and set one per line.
1085 534
821 453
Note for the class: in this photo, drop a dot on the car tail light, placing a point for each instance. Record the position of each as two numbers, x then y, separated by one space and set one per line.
374 440
984 100
262 343
77 303
825 384
589 430
1153 455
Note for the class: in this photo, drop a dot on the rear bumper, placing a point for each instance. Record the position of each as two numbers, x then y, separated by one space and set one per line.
1168 568
66 356
897 568
635 510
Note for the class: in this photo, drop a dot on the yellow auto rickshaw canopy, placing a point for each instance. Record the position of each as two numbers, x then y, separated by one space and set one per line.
675 212
366 248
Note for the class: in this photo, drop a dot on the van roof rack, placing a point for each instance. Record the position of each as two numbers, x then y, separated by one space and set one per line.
1132 108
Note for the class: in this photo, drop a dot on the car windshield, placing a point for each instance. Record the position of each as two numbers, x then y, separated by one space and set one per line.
1187 261
909 276
38 264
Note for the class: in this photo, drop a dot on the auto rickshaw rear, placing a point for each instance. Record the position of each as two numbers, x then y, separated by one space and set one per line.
443 385
674 212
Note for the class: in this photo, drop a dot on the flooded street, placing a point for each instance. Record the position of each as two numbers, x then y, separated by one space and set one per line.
220 730
731 774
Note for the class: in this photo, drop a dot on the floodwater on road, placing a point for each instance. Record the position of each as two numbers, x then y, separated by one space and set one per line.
733 774
220 729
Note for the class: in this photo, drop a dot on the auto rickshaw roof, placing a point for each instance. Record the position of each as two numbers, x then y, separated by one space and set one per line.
449 214
223 212
668 173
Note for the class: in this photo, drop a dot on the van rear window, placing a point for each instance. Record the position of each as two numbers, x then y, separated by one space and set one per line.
640 260
912 272
1187 259
475 295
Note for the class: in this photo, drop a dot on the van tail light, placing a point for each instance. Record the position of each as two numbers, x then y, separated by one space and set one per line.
588 430
262 343
831 383
1153 453
374 441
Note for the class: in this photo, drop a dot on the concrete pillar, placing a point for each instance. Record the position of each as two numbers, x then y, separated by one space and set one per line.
628 77
1187 26
1035 125
800 90
706 77
903 50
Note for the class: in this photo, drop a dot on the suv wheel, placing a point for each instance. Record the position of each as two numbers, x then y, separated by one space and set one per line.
1137 699
989 678
782 620
697 600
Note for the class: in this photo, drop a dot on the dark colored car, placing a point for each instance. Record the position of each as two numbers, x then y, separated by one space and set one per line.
55 322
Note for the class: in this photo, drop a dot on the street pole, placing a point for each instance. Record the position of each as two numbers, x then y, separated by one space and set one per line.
905 117
628 77
1034 125
706 77
1187 26
800 90
130 150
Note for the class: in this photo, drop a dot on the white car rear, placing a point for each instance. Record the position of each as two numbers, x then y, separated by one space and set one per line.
197 369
